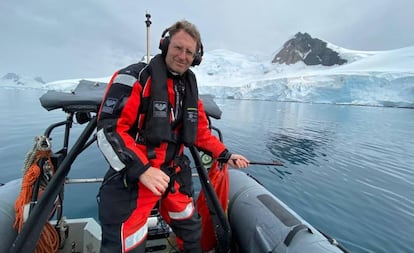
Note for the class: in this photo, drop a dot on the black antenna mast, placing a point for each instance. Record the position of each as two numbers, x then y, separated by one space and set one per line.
148 23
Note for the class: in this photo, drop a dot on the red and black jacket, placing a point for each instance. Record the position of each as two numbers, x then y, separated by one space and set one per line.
122 122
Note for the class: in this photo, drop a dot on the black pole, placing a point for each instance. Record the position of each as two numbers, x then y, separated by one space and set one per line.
273 163
27 239
220 222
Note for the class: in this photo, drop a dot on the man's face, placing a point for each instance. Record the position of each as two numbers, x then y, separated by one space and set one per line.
180 52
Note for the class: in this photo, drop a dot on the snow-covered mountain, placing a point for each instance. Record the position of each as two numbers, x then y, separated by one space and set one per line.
377 78
381 78
14 80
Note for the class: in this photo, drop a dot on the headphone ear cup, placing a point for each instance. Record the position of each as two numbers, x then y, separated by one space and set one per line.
198 56
164 43
197 59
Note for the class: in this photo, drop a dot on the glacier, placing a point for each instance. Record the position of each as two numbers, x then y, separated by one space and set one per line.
375 78
372 78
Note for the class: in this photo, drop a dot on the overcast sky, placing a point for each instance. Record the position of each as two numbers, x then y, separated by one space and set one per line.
92 38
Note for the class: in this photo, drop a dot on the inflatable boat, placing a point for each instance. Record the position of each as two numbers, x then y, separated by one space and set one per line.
256 220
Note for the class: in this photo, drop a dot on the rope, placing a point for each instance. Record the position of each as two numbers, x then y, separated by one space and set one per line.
48 241
29 178
49 238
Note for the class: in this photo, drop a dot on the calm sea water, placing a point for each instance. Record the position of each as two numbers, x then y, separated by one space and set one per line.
348 170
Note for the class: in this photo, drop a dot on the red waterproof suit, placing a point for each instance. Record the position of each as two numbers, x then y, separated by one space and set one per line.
124 202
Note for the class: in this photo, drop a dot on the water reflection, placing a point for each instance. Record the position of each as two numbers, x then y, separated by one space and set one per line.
280 173
295 149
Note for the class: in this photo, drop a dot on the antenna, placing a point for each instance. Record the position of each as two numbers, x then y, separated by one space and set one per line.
148 23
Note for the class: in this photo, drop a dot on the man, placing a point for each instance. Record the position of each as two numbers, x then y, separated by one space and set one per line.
148 114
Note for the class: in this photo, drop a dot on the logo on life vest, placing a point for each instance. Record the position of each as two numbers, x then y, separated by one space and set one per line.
109 105
159 109
192 115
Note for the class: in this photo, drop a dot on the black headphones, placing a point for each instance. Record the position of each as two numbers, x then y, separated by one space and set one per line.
165 42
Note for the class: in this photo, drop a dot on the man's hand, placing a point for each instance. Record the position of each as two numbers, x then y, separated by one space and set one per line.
238 161
155 180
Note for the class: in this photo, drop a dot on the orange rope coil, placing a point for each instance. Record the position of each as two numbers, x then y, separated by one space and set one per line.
49 238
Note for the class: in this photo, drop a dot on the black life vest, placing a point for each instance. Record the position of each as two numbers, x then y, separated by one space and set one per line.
157 127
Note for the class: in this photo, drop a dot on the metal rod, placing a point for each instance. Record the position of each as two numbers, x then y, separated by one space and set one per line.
220 222
83 180
27 239
273 163
148 23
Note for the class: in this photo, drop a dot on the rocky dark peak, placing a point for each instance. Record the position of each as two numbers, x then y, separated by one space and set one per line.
39 79
311 51
11 76
16 78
